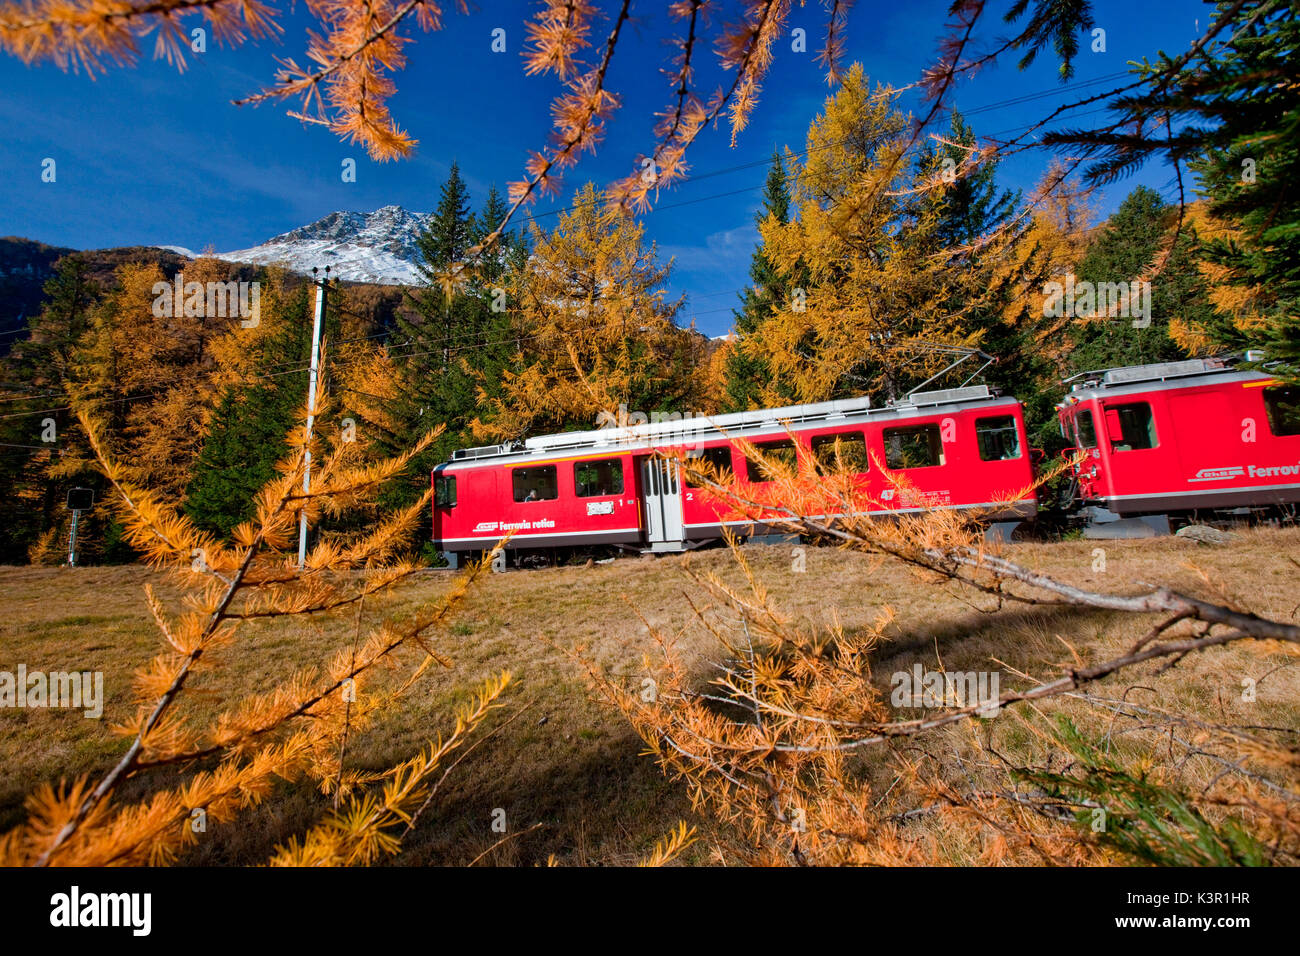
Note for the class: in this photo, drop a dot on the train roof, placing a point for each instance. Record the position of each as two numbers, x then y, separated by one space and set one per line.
1160 375
697 428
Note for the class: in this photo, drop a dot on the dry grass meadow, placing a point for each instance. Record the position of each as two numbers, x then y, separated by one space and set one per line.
568 771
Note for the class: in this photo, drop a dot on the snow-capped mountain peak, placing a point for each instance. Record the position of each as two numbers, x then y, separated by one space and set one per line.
361 247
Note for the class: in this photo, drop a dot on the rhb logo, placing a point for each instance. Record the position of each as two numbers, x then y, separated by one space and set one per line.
1219 474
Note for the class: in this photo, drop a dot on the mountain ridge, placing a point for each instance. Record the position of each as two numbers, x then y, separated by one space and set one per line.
378 247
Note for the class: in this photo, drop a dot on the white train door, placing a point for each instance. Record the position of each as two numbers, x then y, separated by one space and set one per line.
662 504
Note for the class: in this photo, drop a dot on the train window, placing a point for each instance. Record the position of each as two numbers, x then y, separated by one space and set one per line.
1135 424
848 449
592 478
535 484
777 452
1083 425
998 438
1283 407
718 457
444 491
915 447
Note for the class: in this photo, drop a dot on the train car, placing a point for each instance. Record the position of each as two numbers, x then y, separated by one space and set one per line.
1167 442
956 448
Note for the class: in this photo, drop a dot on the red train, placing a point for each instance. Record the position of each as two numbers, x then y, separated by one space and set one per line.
1178 439
1169 440
957 448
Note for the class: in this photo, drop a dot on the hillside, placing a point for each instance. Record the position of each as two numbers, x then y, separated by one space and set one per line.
25 265
367 249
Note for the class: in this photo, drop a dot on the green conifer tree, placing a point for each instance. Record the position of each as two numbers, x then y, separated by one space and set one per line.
245 439
745 372
1231 112
450 348
972 208
432 334
1250 173
1126 248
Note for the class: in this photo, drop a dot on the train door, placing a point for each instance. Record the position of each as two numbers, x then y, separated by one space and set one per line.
1079 426
661 497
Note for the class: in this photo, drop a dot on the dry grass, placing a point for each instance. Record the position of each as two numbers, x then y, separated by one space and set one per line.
569 762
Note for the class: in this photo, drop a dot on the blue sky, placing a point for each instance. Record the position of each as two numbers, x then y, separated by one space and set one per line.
147 155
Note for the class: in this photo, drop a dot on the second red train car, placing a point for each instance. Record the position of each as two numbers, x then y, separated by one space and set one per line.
1177 438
